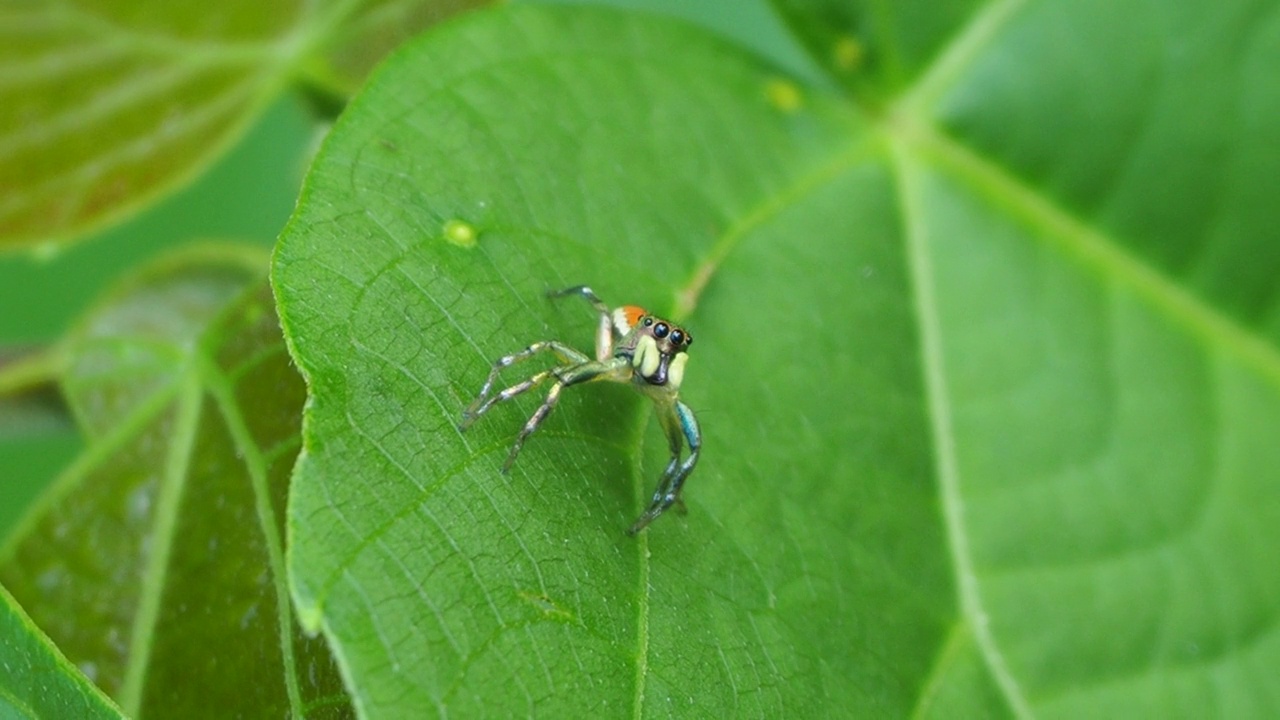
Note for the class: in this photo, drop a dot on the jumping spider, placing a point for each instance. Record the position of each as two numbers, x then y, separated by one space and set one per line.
632 346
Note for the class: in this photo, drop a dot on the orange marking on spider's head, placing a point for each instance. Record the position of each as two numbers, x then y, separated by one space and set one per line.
627 317
634 313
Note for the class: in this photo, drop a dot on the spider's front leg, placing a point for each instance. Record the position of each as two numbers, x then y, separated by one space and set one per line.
606 332
679 424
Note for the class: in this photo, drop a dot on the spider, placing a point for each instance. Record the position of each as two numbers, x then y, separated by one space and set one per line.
632 346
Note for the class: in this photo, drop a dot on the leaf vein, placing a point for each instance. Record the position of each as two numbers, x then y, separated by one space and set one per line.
959 54
190 400
939 405
1103 254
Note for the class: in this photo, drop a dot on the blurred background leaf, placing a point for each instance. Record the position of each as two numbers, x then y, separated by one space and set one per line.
247 194
158 556
106 105
107 111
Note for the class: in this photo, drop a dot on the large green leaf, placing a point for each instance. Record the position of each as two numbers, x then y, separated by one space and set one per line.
106 104
974 446
156 562
37 681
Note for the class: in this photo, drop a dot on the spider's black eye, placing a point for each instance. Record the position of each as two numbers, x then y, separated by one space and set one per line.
661 331
677 337
648 321
688 340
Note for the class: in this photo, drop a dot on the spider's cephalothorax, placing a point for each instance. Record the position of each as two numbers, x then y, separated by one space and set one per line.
633 347
655 347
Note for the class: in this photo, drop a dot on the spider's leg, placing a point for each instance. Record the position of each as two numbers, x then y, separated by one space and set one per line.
585 293
605 331
680 425
583 372
483 402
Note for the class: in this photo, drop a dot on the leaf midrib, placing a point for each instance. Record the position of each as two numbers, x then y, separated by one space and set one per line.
913 109
938 402
957 56
1078 237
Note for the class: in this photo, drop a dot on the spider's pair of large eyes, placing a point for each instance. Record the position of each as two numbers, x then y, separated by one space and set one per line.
662 330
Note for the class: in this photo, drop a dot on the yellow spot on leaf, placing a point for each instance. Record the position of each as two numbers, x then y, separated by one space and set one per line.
784 95
460 233
847 54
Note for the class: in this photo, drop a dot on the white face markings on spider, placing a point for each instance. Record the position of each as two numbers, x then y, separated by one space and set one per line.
675 375
647 357
632 346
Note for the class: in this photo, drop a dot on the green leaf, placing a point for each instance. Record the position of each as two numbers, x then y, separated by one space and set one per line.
37 681
973 445
106 105
156 561
446 584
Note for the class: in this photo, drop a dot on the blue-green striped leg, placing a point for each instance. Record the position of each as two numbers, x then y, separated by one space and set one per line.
679 424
